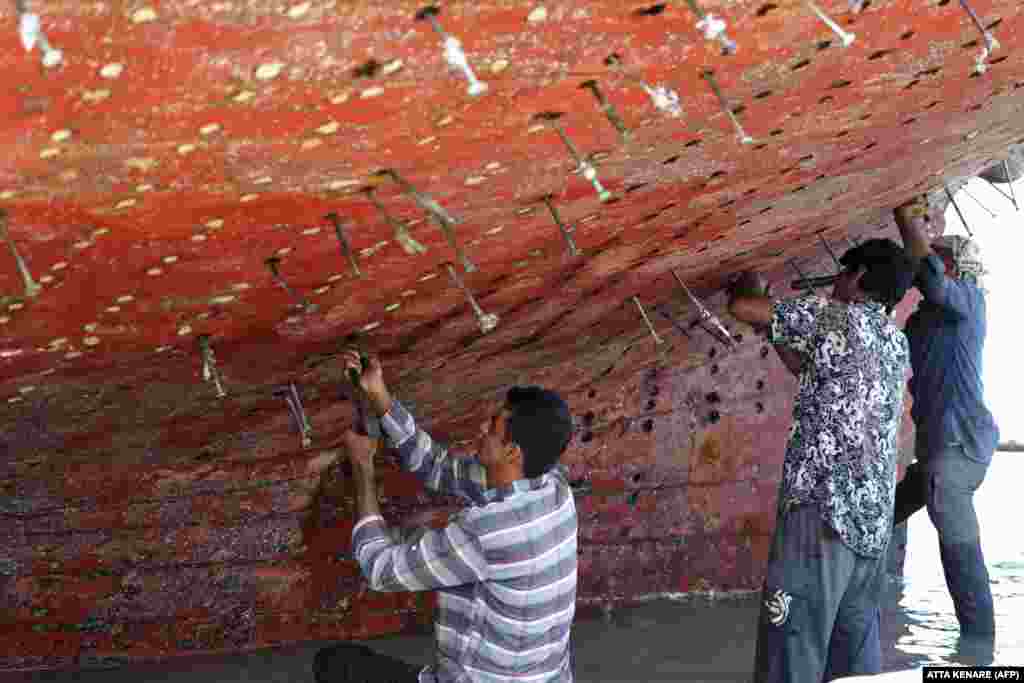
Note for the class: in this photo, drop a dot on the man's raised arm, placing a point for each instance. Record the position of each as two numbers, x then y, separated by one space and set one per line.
749 302
931 279
910 220
430 461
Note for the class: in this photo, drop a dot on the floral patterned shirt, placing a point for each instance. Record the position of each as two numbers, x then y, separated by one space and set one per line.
843 445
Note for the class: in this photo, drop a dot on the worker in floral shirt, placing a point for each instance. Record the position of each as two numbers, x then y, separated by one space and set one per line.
827 561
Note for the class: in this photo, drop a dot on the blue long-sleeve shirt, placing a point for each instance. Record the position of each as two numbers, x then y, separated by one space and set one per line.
947 337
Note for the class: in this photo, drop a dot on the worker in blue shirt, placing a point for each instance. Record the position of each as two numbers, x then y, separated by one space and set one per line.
956 434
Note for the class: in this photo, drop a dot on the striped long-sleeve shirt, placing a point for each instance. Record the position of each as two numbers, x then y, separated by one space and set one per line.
505 567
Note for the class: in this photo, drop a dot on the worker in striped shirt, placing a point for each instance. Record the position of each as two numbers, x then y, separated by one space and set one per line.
504 567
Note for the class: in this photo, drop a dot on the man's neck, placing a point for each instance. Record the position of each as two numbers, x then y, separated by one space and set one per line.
500 476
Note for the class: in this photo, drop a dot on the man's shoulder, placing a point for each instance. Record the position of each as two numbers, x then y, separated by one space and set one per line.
804 304
506 508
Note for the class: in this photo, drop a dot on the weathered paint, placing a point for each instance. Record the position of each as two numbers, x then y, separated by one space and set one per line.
179 145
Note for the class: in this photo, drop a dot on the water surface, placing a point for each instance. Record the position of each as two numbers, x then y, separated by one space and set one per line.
919 626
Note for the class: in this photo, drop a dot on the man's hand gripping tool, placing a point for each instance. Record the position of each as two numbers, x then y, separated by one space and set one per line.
367 422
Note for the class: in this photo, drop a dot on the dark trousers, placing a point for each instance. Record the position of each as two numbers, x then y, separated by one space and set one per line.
819 614
945 483
351 663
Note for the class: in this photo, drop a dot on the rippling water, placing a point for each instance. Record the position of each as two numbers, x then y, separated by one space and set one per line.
918 622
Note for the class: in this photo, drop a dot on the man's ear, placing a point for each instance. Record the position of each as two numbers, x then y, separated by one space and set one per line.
501 426
514 454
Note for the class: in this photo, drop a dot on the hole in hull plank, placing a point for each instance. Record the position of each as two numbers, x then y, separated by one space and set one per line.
368 69
652 11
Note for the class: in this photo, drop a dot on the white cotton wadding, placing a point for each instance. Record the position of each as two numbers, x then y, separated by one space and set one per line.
665 100
31 33
711 26
29 29
51 56
456 58
454 55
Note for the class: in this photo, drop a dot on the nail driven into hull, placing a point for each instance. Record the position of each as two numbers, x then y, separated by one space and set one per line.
991 44
564 229
956 207
307 429
706 316
657 340
290 394
487 322
444 219
453 52
799 272
978 202
402 234
1013 193
346 248
662 98
713 28
1012 196
32 288
608 108
273 263
831 253
845 37
585 167
709 76
210 370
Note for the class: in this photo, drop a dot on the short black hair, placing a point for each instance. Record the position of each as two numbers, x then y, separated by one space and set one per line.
889 271
540 424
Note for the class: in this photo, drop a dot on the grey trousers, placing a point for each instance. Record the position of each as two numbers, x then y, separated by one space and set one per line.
819 613
945 483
